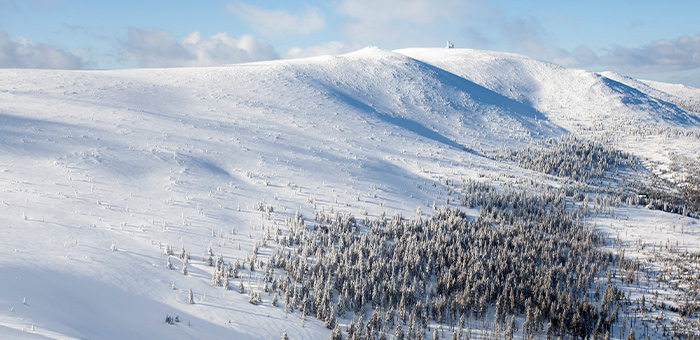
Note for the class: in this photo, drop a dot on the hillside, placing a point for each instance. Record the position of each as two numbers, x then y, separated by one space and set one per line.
570 97
683 96
630 114
102 172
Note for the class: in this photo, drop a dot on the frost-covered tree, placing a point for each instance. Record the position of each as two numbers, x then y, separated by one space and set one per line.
336 333
399 332
255 298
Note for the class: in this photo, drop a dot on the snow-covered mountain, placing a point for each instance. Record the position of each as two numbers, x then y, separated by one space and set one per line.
684 96
102 171
571 98
629 113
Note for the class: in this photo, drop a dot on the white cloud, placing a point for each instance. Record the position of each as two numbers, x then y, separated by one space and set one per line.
660 55
154 48
687 77
159 48
524 35
24 54
279 22
400 22
528 36
411 11
328 48
222 48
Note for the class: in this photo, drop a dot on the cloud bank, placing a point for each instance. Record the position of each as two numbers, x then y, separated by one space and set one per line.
660 55
159 48
527 35
24 54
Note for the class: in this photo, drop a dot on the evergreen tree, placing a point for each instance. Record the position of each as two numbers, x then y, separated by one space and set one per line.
336 334
510 328
399 332
330 320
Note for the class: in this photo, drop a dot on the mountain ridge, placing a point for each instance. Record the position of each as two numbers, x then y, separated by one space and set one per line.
528 80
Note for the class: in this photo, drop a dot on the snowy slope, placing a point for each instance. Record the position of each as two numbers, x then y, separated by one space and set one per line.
137 160
684 96
570 97
145 158
626 113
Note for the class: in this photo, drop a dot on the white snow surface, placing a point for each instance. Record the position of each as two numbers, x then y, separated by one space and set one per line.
571 98
634 115
147 158
678 94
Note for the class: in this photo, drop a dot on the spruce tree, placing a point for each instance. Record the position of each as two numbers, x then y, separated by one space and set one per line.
336 334
399 331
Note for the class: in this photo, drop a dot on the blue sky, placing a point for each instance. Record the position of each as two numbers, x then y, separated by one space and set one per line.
657 40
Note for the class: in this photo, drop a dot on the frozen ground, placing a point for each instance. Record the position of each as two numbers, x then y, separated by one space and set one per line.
101 171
